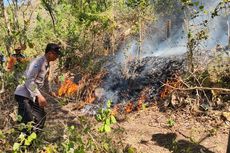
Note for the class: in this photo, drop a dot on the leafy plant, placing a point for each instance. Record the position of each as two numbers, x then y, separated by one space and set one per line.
24 142
170 122
106 117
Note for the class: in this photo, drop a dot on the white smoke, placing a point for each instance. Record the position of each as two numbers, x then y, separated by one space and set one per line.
155 43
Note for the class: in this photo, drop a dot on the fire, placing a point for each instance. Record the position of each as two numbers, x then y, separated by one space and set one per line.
115 110
89 84
129 107
90 99
132 106
67 88
140 103
170 85
142 98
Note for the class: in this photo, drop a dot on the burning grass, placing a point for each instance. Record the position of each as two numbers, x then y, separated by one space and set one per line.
84 90
170 85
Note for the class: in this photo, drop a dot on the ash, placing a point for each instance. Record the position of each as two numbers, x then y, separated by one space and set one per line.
125 81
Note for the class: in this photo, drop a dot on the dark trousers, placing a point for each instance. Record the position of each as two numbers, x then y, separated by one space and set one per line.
31 111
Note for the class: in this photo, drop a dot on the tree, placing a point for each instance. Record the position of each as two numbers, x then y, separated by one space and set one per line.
15 20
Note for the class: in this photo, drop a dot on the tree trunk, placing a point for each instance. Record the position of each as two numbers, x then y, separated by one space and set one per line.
2 8
228 34
228 149
113 32
190 46
8 41
168 28
140 38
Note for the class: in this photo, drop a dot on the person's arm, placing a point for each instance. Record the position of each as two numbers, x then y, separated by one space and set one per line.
49 84
31 75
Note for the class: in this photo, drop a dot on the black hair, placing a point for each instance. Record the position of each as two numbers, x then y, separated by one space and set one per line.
52 47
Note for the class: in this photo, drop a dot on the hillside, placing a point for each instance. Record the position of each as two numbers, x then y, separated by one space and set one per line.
146 76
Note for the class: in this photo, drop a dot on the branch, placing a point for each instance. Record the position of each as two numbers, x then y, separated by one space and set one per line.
50 11
198 88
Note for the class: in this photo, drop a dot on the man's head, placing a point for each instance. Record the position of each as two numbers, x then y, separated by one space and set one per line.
52 51
18 50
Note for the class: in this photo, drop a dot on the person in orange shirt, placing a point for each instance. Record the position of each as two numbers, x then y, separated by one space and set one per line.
16 59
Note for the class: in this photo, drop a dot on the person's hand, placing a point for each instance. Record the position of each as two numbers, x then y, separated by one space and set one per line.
53 94
42 101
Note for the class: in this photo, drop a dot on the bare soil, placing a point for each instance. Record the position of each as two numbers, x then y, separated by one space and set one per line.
149 130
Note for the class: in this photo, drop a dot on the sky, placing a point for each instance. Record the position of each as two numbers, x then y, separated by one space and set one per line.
6 1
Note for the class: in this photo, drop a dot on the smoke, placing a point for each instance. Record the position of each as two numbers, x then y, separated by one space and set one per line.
155 42
217 27
157 46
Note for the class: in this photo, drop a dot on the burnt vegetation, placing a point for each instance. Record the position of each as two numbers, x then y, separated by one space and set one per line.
119 57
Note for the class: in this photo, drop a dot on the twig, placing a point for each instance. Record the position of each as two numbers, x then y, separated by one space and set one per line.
95 142
201 86
198 88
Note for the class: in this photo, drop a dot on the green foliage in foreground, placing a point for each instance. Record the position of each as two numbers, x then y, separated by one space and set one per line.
106 117
81 137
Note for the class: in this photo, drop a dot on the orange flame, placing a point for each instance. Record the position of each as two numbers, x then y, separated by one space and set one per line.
169 87
115 110
67 88
129 107
140 103
90 99
142 98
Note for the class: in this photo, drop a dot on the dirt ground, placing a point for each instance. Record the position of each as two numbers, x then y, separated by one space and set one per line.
149 130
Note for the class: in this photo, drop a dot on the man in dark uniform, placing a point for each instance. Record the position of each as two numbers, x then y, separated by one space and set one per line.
31 101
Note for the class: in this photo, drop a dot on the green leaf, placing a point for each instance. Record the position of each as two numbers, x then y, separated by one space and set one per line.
109 102
131 150
205 12
143 106
101 129
196 3
201 7
21 126
27 142
72 127
22 137
2 136
98 117
106 146
113 120
33 135
16 146
19 118
107 128
70 145
30 139
62 78
107 121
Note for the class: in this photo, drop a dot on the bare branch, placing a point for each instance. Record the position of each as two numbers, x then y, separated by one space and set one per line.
199 88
